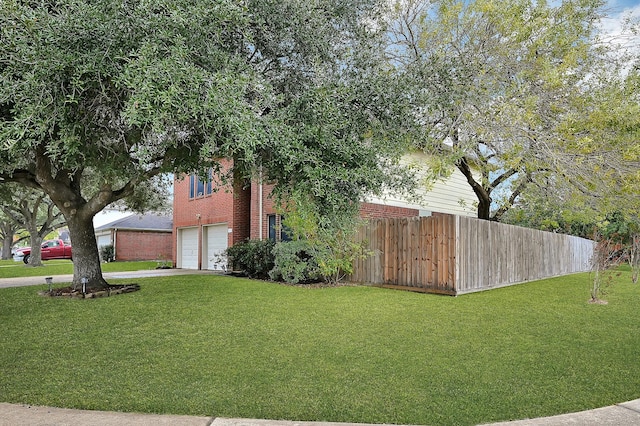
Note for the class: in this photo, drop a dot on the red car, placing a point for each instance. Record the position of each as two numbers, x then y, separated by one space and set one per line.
51 249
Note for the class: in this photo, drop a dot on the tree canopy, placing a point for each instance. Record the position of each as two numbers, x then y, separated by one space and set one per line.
99 97
502 86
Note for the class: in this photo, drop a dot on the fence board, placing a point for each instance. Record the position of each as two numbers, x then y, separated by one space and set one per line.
456 255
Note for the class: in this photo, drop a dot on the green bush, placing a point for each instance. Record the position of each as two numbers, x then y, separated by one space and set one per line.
253 257
107 253
337 257
330 242
295 262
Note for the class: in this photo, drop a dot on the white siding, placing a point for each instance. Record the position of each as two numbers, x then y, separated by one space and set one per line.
453 195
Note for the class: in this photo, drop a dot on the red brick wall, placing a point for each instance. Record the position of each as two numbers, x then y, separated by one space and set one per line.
143 245
267 209
373 211
241 212
208 210
225 205
211 209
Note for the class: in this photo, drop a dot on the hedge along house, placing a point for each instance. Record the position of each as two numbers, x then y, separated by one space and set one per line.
139 237
209 219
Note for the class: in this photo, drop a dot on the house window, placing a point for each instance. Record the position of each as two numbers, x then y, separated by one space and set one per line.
199 188
272 227
277 231
284 233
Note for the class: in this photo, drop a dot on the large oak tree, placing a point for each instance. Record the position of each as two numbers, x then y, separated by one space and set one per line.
98 97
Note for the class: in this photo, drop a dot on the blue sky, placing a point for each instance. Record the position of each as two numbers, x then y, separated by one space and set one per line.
620 6
624 3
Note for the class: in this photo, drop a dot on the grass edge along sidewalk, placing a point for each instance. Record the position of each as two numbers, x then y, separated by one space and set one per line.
211 345
12 269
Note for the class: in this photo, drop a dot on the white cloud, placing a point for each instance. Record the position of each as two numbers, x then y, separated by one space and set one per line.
616 32
616 28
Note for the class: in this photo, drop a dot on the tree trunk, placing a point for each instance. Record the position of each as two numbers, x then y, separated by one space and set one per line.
35 258
8 229
86 259
64 189
483 195
7 242
484 206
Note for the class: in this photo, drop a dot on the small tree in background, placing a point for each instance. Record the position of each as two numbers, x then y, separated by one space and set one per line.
498 81
606 255
634 257
32 211
8 229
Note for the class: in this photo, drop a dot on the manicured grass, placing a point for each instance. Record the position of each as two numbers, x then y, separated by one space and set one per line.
11 269
229 347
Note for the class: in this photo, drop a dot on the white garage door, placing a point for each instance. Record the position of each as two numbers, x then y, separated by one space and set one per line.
188 248
104 240
215 241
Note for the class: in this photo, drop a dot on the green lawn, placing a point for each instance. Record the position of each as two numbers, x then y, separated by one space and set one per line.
11 269
229 347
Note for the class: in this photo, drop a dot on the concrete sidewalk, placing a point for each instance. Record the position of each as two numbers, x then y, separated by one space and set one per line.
59 279
625 414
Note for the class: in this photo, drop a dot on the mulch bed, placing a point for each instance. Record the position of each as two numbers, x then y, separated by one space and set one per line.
70 292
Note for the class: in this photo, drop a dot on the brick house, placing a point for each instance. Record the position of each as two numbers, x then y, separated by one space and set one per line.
139 237
207 220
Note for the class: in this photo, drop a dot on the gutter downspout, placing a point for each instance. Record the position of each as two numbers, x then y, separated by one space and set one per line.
115 238
260 205
200 240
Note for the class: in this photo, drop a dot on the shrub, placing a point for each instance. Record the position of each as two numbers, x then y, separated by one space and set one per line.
331 243
253 257
295 262
336 259
107 253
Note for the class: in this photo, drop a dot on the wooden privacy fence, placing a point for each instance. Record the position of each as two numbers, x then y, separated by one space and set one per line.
456 255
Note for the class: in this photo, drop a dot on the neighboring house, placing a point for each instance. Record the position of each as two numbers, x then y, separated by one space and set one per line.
139 237
207 220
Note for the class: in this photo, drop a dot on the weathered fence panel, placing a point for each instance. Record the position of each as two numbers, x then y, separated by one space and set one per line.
456 255
493 255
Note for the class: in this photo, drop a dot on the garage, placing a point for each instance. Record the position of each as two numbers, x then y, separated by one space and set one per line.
103 240
214 244
187 248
